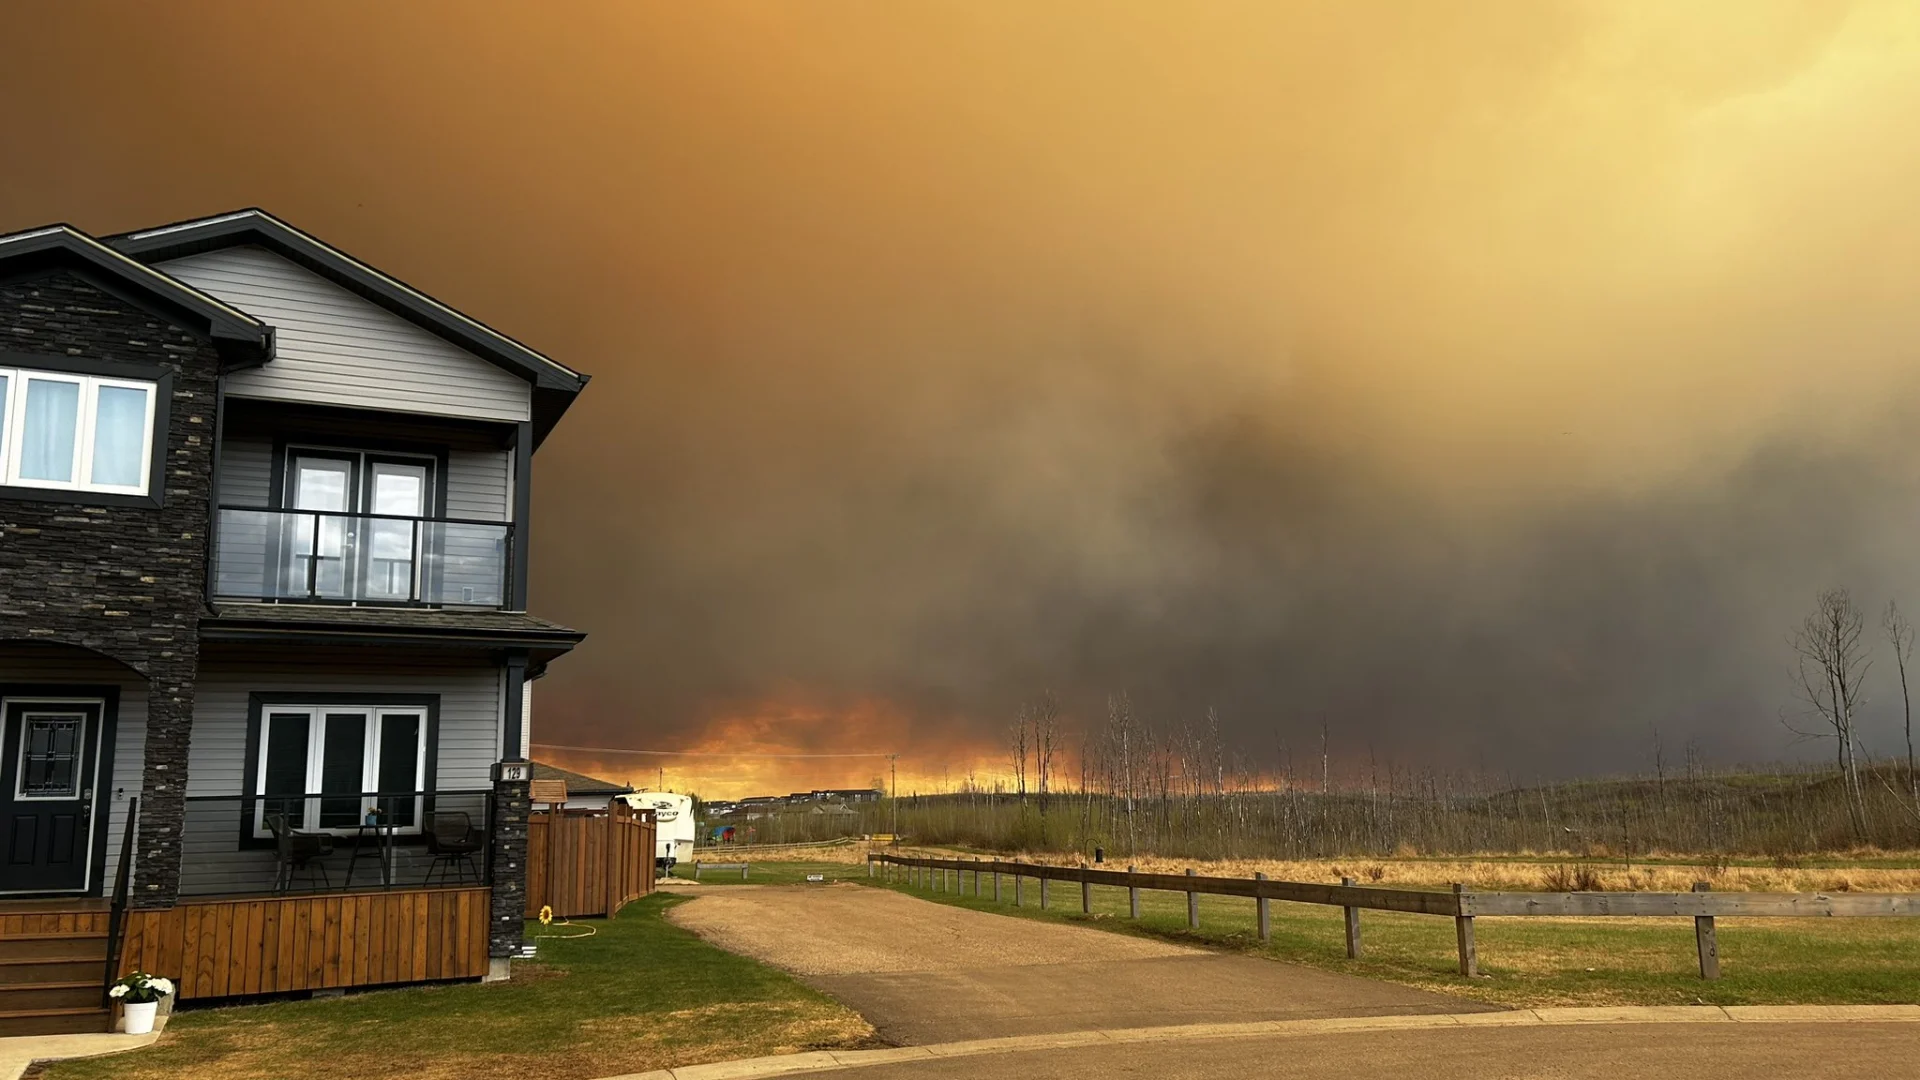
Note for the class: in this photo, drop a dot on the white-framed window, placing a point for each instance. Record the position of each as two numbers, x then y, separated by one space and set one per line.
326 766
71 432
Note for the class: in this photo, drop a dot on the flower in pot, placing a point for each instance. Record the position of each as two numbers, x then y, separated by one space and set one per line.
139 995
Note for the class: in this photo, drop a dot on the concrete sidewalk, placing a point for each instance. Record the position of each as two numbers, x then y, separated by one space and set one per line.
19 1051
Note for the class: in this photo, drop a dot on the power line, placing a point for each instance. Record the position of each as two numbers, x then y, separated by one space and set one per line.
693 753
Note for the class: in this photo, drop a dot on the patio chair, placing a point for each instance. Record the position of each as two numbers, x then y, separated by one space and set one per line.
297 850
453 842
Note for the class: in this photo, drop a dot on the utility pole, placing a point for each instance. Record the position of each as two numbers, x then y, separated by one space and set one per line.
663 778
893 782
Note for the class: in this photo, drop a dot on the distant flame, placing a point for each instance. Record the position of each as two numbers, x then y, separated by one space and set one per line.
761 750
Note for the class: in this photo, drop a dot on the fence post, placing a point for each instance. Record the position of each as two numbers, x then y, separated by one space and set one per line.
1353 926
996 883
1043 890
1260 908
1086 893
1703 937
1133 896
1016 888
869 867
1193 906
696 862
1463 931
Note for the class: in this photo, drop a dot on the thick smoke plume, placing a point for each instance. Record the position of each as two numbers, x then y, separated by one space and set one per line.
1493 384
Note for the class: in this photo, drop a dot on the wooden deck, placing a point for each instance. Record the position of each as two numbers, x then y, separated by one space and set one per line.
231 947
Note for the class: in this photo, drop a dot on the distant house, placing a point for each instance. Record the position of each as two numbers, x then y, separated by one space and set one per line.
583 792
851 795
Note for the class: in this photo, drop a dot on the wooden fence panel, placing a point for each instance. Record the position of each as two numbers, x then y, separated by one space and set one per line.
235 948
588 862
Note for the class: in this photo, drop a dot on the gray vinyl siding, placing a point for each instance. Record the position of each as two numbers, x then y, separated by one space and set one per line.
469 707
469 738
480 485
246 479
246 471
334 348
122 779
475 556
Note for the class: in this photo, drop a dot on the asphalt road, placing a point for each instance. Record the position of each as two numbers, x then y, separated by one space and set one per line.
1724 1051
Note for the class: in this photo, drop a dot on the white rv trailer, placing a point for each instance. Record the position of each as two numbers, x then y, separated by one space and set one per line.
673 824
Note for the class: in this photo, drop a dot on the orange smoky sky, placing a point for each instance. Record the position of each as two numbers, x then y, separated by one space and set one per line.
1491 383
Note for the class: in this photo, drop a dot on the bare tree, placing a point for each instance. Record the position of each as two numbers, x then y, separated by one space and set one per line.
1125 746
1832 663
1045 715
1017 750
1900 633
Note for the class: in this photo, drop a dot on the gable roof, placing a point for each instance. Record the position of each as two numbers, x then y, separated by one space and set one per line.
554 384
579 783
242 339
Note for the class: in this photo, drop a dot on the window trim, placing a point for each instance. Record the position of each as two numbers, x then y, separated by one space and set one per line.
253 833
91 374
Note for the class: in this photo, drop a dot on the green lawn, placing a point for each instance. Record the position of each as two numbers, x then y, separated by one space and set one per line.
1527 961
639 994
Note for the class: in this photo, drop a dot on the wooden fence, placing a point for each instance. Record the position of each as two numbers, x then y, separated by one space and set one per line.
268 945
588 862
1462 904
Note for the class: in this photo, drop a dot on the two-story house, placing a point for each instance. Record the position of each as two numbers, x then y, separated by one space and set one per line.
263 601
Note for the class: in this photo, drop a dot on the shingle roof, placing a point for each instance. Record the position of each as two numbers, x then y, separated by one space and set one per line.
332 623
579 783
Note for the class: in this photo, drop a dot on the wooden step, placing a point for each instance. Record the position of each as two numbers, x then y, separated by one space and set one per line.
82 994
74 1021
40 969
20 945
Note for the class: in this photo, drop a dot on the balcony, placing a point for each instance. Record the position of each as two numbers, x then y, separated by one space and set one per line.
321 557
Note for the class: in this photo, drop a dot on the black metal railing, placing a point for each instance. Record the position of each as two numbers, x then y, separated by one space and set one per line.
242 845
361 558
117 915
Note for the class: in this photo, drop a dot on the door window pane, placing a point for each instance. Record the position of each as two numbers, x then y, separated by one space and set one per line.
50 757
6 383
399 762
119 436
47 436
316 544
399 490
343 765
284 772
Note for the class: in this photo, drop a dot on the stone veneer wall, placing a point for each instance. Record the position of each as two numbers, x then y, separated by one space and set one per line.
506 928
126 582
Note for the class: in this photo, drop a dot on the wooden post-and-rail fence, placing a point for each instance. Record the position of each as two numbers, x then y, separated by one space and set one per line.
1460 903
588 862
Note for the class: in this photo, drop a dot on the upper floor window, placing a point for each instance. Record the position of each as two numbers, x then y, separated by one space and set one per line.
76 432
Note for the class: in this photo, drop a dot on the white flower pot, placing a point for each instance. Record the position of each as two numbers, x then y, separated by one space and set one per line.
140 1016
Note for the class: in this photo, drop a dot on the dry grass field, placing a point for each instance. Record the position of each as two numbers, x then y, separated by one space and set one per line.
1856 871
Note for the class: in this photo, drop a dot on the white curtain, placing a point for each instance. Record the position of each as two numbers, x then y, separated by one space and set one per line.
119 436
52 418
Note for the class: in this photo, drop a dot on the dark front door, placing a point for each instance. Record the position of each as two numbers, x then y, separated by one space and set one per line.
47 794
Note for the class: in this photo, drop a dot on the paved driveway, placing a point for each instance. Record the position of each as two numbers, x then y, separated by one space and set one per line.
926 973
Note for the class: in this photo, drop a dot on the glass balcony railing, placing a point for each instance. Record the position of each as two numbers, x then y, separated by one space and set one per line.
362 558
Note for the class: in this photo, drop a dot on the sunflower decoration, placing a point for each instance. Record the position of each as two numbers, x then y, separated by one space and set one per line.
546 914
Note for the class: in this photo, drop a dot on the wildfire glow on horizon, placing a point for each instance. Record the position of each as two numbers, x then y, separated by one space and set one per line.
1489 386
